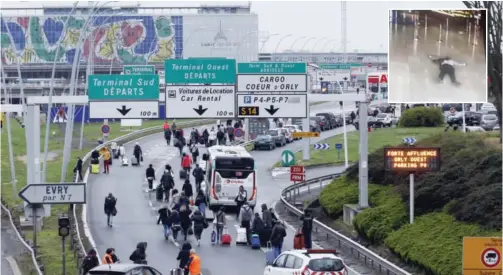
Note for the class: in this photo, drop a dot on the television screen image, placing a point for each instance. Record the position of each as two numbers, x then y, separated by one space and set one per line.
437 56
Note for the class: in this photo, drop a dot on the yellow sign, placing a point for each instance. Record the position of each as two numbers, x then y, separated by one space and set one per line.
482 255
305 134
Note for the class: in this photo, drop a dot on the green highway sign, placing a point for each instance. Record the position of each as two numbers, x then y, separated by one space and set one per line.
138 69
339 66
104 87
272 68
200 71
287 158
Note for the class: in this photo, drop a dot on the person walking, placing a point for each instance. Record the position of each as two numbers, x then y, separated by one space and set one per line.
106 161
187 189
164 215
122 152
200 202
78 168
90 261
167 137
108 258
139 255
245 217
186 163
194 151
184 257
194 264
198 175
241 198
258 228
199 224
277 236
138 153
115 259
307 228
174 221
150 175
185 221
220 224
110 208
167 182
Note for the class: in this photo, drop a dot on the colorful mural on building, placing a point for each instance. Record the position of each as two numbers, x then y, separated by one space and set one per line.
128 39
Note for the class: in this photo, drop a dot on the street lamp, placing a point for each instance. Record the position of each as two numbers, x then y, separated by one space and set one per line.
266 40
242 42
295 42
328 42
318 42
305 43
281 40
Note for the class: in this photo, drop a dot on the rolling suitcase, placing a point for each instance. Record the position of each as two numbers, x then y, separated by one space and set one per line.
255 241
95 168
298 240
134 162
125 161
183 174
269 254
159 193
241 236
176 271
226 237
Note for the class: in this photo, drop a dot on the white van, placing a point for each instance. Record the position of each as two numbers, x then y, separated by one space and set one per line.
226 168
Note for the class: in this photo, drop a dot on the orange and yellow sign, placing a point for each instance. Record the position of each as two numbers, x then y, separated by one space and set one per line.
305 134
482 255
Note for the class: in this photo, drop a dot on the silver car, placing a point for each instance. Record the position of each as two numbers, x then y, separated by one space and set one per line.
488 122
124 269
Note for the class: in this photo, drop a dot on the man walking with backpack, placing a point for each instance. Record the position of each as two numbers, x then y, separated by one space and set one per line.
246 215
90 261
167 182
110 210
198 174
307 228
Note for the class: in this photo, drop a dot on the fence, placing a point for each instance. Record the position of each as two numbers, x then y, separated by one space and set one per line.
288 196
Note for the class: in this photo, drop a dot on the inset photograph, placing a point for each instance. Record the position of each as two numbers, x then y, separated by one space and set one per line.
437 56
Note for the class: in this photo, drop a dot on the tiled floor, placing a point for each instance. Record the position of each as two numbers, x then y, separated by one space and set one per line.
413 77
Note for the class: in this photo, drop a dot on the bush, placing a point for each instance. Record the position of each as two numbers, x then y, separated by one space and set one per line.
422 117
388 215
339 192
434 242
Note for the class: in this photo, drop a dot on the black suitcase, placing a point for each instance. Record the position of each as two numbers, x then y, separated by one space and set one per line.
201 141
159 194
183 174
134 162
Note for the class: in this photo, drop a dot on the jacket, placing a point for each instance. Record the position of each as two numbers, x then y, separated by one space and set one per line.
107 259
241 197
150 173
245 213
185 221
221 221
200 198
110 203
165 126
167 180
194 265
278 234
307 223
198 220
137 150
139 255
186 162
198 173
106 155
266 217
90 261
184 255
174 218
257 224
79 165
164 214
187 189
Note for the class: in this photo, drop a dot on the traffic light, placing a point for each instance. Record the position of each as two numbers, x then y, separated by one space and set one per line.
64 226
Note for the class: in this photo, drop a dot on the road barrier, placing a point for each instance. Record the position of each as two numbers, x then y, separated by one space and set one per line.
288 197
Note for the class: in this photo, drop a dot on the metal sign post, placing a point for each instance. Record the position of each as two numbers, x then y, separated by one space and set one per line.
411 198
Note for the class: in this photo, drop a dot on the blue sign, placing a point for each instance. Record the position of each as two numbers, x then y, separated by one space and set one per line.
238 132
105 129
247 99
338 146
321 146
409 140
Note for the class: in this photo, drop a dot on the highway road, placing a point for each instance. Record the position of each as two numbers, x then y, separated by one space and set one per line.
136 218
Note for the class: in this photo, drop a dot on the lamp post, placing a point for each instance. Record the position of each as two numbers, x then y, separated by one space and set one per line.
305 43
328 42
266 40
295 42
281 40
318 42
242 42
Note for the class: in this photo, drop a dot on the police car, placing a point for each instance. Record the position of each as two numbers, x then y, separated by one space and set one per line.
124 269
307 262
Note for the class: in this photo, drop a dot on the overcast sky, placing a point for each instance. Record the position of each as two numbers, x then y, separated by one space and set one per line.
367 22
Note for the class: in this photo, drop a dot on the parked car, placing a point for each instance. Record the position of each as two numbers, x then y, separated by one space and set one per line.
386 119
322 122
473 118
488 107
123 269
314 126
293 129
288 134
489 122
330 118
278 137
371 122
264 141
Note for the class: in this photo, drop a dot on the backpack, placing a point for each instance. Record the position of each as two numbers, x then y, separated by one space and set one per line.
87 263
247 214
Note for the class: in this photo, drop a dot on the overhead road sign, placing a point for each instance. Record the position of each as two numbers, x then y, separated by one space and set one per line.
321 146
59 193
339 66
412 159
334 75
482 255
272 68
123 87
138 69
204 101
272 83
305 134
200 71
124 109
272 105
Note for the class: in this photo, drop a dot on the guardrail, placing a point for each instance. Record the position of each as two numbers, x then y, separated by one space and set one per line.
370 258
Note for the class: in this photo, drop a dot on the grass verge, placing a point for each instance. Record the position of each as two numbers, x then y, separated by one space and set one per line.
49 243
377 139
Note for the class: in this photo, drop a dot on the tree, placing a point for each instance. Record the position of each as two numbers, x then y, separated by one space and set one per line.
494 47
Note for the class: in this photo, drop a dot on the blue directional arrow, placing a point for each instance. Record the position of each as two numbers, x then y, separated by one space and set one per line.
409 140
321 146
